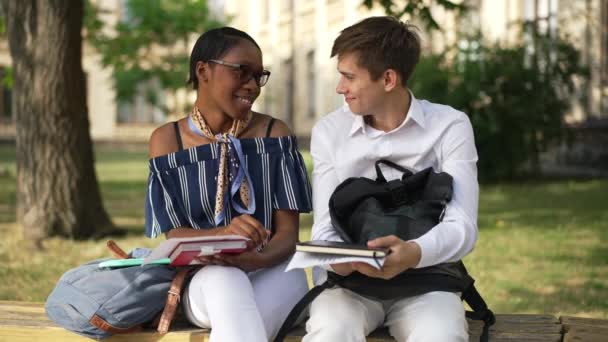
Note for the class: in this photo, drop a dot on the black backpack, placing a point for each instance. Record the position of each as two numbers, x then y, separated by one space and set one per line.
362 209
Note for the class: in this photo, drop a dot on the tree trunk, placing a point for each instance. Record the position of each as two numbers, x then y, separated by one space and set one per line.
57 190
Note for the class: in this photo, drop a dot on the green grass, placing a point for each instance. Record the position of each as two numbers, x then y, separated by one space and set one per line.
542 248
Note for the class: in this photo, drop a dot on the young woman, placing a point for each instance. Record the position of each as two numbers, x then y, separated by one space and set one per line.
225 169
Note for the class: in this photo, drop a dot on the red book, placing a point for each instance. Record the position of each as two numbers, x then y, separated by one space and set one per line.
182 251
185 253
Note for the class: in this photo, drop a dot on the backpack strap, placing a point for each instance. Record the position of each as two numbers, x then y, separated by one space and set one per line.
117 251
173 298
298 308
480 312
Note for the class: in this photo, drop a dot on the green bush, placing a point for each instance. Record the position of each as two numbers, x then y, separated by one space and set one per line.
516 97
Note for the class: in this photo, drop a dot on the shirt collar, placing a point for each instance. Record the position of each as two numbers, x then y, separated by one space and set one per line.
415 113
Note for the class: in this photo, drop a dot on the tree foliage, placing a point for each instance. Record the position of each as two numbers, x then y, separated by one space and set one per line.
418 9
7 77
151 42
516 96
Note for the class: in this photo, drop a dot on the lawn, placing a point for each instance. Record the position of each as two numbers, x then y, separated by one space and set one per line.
543 247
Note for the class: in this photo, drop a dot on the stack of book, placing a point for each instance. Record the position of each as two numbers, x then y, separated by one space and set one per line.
184 251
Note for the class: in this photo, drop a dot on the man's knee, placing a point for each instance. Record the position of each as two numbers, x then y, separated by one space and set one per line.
334 316
338 332
325 327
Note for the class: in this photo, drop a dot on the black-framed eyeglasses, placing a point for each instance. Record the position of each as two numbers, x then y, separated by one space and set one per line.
245 72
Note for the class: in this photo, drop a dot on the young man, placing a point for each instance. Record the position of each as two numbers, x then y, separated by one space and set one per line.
383 120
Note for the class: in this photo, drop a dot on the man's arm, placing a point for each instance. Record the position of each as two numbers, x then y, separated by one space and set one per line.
454 237
324 182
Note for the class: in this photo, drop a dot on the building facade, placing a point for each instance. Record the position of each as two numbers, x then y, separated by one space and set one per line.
296 39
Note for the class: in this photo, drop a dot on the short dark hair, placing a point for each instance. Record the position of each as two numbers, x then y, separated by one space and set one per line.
381 43
214 44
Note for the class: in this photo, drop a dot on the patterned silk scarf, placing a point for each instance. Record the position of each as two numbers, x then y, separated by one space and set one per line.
232 174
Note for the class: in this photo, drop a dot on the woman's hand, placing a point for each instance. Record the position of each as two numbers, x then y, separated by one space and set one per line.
248 227
281 247
404 255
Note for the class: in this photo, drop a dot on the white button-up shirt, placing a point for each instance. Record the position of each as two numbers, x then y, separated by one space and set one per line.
343 146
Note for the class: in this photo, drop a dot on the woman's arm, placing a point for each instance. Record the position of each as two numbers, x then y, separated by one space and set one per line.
182 232
243 225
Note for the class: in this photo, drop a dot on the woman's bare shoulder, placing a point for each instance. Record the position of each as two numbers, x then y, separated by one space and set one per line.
163 140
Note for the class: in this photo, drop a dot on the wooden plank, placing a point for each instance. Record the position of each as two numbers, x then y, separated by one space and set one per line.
18 304
23 316
517 327
569 321
543 338
16 323
26 307
527 318
26 321
527 337
60 335
584 329
524 324
575 336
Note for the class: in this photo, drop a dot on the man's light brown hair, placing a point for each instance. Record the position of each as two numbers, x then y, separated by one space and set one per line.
381 43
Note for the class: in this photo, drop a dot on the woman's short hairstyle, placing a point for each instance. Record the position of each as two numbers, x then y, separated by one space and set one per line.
381 43
214 44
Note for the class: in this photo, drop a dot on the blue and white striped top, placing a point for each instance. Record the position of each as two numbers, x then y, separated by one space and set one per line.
182 185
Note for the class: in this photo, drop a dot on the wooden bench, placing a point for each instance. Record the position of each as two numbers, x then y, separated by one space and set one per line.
22 321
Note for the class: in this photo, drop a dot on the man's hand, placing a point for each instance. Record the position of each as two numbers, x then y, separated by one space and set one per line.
404 255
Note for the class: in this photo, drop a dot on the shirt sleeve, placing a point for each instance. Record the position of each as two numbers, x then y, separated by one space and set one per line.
162 209
454 237
291 186
324 182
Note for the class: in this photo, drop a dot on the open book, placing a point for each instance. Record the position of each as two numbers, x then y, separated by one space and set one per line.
183 251
320 253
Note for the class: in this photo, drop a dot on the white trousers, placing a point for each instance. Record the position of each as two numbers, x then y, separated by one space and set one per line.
240 306
339 314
